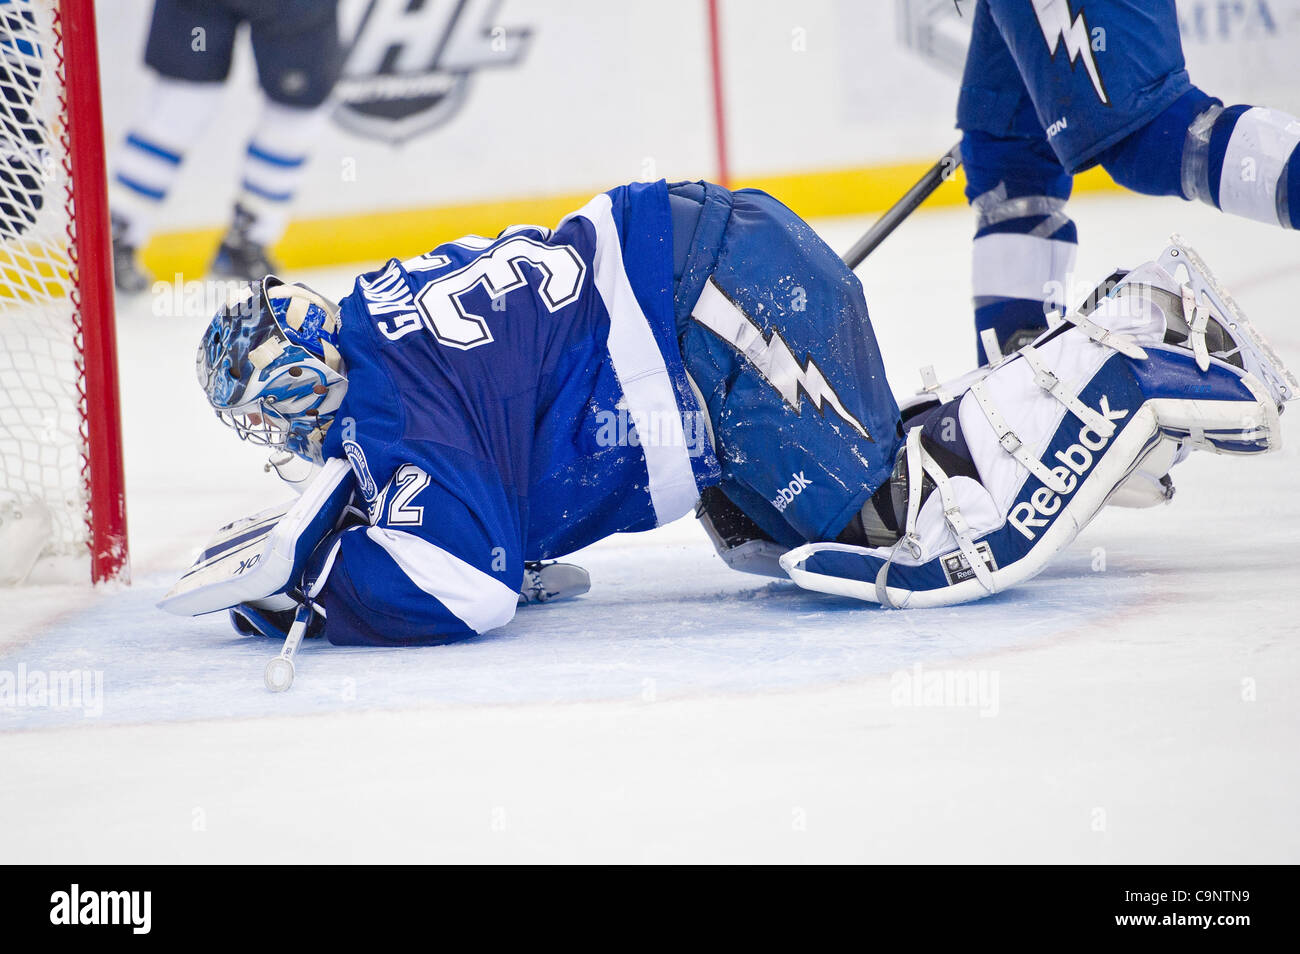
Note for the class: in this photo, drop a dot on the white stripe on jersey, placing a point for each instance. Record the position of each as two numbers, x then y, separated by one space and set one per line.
480 601
639 366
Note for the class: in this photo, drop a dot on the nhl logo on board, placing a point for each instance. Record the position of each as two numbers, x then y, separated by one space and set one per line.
408 66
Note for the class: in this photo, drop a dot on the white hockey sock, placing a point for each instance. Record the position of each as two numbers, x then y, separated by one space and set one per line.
1021 259
1028 267
274 165
1257 153
175 114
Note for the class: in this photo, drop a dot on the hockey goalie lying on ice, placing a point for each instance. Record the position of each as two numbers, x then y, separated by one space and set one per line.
497 403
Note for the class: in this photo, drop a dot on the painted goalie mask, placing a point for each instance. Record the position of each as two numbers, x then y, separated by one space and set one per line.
270 366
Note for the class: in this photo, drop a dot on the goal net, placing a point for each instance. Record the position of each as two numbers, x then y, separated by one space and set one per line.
60 458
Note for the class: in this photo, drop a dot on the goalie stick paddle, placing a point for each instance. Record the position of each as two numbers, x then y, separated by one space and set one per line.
884 226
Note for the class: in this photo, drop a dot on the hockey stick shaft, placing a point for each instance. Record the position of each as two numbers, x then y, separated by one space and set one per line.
884 226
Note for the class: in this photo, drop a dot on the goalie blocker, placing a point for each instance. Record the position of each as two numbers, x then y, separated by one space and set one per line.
991 485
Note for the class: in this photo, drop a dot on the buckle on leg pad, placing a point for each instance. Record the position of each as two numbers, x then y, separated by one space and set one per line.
1011 443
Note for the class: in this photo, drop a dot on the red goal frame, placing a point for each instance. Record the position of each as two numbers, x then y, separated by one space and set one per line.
90 252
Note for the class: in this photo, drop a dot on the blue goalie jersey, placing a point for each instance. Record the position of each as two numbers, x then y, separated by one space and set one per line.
509 399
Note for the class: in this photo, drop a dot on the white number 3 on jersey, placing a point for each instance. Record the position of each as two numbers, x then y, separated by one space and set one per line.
499 271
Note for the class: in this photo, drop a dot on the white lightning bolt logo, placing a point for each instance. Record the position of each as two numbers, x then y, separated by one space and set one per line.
1054 20
772 358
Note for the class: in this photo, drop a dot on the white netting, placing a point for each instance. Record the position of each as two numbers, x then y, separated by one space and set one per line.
41 444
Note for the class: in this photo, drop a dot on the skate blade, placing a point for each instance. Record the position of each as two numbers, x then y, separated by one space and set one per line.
1258 355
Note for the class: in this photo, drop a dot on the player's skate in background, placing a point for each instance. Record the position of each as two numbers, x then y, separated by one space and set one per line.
190 46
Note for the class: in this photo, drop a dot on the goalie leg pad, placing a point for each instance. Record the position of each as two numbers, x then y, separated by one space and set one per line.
966 545
977 539
1054 431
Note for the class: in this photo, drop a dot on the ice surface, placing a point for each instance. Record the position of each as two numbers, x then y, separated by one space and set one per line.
1144 706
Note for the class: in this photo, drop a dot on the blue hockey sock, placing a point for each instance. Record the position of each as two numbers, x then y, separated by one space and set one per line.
1150 161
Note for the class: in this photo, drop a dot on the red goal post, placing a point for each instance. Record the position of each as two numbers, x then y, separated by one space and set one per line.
93 296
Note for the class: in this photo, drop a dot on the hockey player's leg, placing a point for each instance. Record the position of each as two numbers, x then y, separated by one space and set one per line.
1110 87
147 163
273 167
994 483
1243 160
299 59
145 166
189 48
1025 244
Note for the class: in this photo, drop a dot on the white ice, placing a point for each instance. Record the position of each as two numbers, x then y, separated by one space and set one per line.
1145 705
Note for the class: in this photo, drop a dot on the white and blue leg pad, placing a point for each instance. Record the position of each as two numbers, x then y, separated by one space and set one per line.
971 539
1053 431
262 555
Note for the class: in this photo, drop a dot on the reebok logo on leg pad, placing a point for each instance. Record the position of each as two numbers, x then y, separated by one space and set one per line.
1076 461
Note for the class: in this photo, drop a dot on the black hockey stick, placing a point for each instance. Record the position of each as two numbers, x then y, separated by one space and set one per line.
911 200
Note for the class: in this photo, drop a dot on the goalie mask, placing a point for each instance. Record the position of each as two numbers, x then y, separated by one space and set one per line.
270 366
